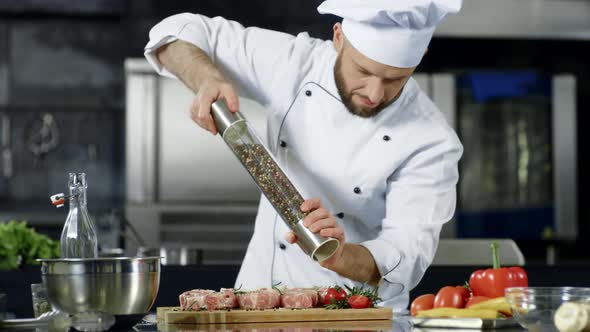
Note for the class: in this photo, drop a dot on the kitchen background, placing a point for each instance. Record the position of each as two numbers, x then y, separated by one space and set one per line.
71 97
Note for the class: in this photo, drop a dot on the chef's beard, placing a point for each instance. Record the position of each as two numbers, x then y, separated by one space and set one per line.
346 96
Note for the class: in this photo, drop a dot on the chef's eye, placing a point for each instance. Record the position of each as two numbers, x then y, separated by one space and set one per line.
393 80
364 72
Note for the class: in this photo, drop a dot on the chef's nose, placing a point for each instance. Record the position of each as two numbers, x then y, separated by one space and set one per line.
376 89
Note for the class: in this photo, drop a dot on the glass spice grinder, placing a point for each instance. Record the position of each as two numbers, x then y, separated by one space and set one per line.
241 138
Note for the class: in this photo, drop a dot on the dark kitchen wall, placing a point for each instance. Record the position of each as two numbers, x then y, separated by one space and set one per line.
62 99
62 85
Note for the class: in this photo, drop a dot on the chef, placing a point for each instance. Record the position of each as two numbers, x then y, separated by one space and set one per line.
350 127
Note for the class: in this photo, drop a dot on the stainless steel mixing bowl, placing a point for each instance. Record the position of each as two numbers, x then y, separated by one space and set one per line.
117 285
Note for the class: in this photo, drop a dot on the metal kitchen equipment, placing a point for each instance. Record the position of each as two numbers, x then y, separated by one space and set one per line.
78 238
60 321
165 202
463 323
519 166
242 139
123 286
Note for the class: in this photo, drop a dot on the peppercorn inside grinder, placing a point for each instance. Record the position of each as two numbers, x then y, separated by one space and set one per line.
241 138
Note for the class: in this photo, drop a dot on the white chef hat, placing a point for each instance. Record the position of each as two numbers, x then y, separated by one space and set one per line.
392 32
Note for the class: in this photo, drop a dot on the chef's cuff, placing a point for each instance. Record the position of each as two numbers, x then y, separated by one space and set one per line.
388 259
191 28
150 54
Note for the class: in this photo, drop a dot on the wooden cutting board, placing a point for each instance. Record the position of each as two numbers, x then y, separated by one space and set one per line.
173 315
342 325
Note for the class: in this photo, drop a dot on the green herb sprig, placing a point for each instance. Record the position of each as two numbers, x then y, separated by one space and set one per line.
369 292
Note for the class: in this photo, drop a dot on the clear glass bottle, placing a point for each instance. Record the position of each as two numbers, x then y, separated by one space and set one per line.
78 238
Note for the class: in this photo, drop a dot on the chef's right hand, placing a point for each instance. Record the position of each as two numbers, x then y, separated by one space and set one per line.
211 89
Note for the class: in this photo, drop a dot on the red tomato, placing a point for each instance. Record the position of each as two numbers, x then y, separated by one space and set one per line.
464 293
333 295
422 302
359 302
449 297
476 300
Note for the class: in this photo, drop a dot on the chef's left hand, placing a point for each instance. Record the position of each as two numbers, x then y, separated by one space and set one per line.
319 220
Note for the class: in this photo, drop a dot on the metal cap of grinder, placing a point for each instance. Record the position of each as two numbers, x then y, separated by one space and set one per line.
223 117
317 247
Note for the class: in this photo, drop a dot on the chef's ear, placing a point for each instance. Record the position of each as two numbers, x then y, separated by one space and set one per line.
338 39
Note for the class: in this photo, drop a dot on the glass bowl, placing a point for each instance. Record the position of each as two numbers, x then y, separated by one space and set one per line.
534 307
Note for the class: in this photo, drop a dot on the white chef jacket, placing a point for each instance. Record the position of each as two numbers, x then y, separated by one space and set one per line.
389 179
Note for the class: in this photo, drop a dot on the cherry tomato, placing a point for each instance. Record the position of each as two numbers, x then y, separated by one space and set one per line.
334 294
422 302
449 297
476 300
359 302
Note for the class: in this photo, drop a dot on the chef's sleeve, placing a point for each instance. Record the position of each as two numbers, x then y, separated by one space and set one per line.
420 198
248 57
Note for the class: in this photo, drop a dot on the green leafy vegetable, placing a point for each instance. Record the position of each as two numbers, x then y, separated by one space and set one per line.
20 244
